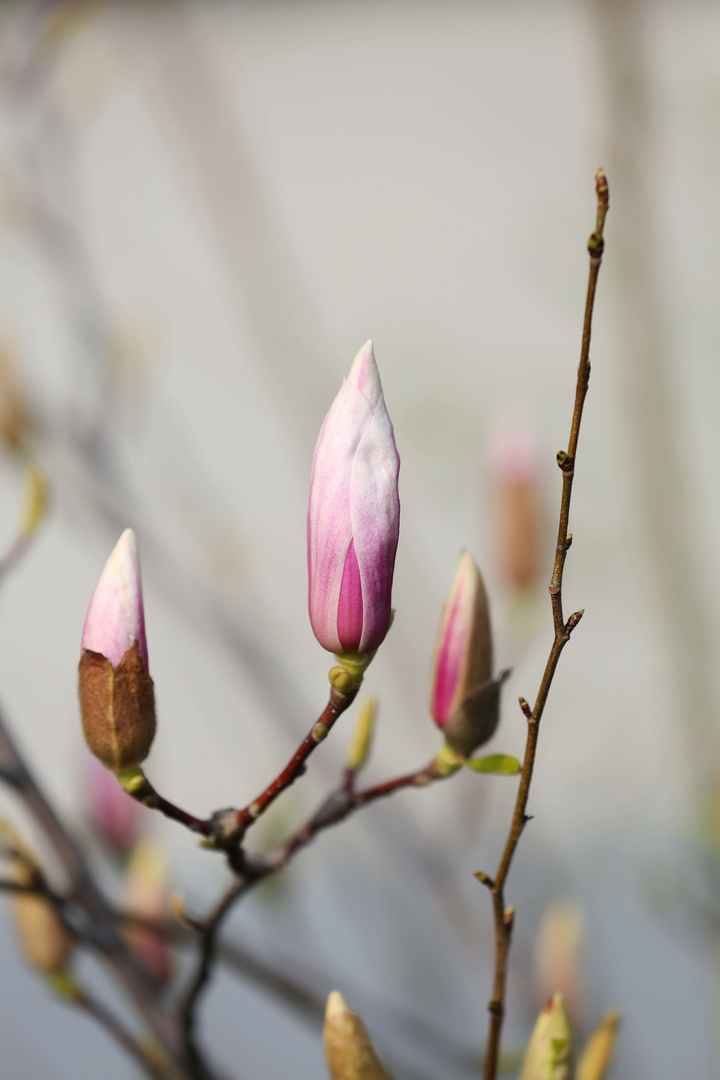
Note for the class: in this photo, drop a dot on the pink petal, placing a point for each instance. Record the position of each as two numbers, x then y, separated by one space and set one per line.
115 617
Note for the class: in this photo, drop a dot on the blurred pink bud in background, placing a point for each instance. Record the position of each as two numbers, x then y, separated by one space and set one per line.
354 515
515 455
114 815
145 897
115 617
558 956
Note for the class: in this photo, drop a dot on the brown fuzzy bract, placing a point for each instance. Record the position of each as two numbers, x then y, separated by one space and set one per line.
118 708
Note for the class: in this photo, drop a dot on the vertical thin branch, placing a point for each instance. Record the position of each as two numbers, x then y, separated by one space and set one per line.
503 917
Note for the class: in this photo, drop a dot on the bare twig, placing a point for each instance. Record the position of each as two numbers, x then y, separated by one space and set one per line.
231 825
153 800
14 771
503 916
149 1062
208 947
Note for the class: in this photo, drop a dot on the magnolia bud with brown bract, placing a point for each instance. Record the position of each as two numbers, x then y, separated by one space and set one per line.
549 1052
116 692
349 1052
45 940
464 698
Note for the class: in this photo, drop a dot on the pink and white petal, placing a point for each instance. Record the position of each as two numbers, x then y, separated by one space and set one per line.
375 512
329 526
365 376
115 617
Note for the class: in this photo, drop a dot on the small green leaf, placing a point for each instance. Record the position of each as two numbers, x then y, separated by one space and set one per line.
503 764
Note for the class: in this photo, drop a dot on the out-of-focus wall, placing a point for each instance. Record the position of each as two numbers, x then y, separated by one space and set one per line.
205 210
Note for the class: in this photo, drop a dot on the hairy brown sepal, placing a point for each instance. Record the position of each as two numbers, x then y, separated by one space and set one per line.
118 708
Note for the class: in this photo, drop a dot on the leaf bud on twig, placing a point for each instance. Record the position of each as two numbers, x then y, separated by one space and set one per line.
353 516
359 748
549 1052
116 692
349 1052
464 698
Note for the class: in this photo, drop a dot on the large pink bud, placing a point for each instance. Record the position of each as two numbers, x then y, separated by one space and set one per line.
354 515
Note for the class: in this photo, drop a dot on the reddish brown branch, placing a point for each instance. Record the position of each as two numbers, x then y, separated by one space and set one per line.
503 917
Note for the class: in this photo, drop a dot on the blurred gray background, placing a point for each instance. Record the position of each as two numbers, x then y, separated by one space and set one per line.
205 210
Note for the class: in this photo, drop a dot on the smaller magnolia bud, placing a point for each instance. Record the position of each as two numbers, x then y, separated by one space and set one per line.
116 692
145 897
598 1051
45 940
464 698
349 1052
549 1051
113 814
359 748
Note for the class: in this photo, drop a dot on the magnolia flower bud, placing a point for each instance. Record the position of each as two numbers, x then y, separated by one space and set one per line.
113 814
549 1051
353 516
116 692
145 897
44 938
598 1050
464 698
349 1052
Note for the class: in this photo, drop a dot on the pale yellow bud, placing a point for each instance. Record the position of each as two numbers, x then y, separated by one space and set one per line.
349 1052
359 748
35 499
598 1051
44 938
549 1052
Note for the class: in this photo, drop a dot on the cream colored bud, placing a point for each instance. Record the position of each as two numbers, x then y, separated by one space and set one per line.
35 499
359 748
549 1052
598 1051
45 940
349 1052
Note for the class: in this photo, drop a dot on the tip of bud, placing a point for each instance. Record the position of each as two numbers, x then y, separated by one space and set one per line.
336 1005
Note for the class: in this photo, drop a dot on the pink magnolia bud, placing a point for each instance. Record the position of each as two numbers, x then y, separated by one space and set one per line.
464 698
354 515
116 691
113 814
